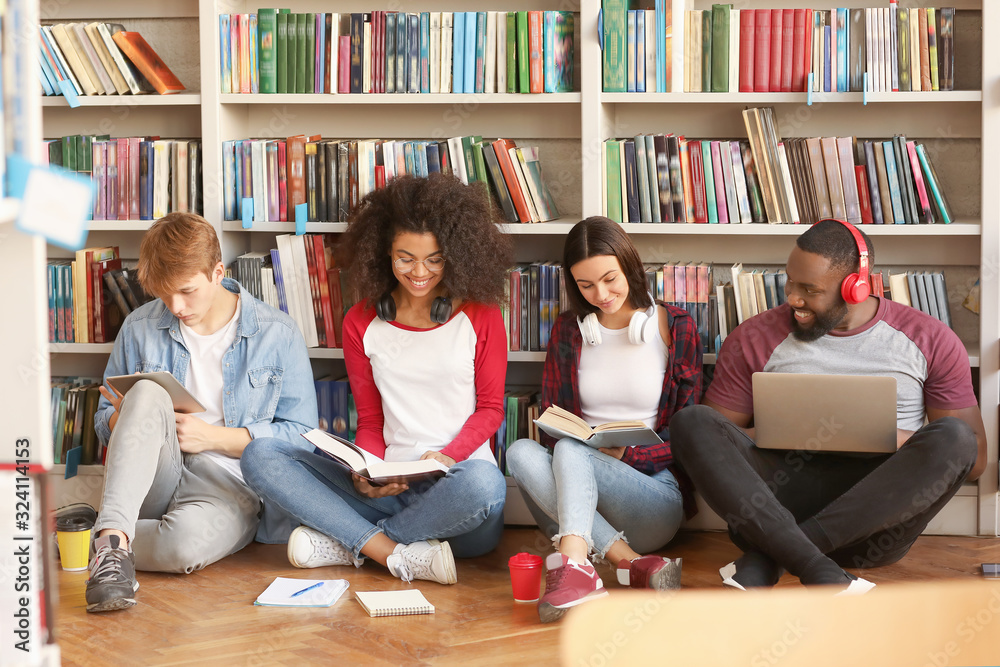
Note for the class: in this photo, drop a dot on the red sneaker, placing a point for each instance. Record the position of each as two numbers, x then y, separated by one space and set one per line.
654 572
567 584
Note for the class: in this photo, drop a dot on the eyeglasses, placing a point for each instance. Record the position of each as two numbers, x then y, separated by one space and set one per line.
407 264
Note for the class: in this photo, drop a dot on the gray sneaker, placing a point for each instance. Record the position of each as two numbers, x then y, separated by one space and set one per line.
310 548
112 584
430 560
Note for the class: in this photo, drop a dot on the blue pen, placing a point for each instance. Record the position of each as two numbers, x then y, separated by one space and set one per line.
307 589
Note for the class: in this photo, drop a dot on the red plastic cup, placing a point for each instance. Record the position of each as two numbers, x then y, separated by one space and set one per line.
525 576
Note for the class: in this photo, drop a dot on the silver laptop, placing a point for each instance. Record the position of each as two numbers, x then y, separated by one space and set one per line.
825 413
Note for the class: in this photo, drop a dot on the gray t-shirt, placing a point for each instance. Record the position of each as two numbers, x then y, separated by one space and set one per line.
929 362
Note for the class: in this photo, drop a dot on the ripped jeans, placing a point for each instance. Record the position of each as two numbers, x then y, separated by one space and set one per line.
577 490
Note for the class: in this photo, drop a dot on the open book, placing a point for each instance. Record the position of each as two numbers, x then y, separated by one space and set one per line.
560 423
371 467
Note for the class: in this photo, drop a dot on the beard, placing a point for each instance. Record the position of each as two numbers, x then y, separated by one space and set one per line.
823 323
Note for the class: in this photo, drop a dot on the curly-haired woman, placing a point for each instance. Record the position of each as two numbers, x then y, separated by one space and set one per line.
617 356
425 350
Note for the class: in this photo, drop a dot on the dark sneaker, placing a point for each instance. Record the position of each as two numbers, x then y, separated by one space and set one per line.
112 583
567 584
751 570
654 572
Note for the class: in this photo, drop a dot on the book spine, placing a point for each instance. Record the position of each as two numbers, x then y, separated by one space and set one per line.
614 37
777 40
787 50
923 203
872 184
720 48
747 41
718 179
762 51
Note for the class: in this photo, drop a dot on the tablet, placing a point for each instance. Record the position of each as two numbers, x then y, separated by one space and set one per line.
182 399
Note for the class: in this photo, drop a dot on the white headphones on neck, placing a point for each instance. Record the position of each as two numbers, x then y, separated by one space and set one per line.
640 327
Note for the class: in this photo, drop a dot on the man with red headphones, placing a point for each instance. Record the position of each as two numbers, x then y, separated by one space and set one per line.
812 513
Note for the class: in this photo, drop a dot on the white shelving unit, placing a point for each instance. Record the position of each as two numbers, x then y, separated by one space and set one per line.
964 126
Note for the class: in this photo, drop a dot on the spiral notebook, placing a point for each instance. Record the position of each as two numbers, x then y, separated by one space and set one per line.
394 603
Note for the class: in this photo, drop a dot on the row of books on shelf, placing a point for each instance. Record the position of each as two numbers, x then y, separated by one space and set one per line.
74 403
301 278
266 180
874 49
275 51
636 47
135 178
879 181
521 407
90 296
667 178
100 59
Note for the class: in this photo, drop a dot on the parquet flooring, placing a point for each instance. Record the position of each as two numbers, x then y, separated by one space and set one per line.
208 618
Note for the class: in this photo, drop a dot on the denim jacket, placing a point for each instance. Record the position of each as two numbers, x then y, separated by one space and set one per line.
266 374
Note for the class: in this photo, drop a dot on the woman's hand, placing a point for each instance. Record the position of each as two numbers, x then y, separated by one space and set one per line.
362 486
438 456
613 452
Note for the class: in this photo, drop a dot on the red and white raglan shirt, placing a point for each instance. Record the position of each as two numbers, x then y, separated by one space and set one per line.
929 362
419 390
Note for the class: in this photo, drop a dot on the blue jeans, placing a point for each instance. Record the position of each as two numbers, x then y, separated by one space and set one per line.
577 490
465 506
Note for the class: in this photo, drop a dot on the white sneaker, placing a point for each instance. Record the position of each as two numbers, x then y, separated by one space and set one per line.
311 548
430 560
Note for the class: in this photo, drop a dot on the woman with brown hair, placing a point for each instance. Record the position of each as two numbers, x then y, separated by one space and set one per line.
426 354
615 356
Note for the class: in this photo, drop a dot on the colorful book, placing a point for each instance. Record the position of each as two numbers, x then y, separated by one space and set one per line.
148 62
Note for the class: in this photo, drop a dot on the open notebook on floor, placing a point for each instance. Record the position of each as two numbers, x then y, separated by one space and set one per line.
286 592
394 603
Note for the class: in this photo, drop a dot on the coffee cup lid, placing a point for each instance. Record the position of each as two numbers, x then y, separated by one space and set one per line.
73 524
525 560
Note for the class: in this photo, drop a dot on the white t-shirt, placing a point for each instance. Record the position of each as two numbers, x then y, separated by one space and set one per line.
204 378
620 381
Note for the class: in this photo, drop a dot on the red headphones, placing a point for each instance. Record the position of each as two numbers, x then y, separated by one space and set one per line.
856 287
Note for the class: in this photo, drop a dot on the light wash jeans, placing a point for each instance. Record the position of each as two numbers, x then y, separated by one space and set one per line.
180 511
578 490
465 506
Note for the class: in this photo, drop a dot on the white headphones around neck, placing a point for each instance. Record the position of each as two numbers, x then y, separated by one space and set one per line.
640 327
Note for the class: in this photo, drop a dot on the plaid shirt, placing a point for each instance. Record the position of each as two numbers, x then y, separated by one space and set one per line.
681 383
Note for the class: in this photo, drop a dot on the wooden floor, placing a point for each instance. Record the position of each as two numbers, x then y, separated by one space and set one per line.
209 618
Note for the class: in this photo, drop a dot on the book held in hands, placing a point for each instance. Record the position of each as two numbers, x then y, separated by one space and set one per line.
560 423
370 466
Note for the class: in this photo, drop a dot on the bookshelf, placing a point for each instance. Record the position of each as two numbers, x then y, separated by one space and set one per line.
963 126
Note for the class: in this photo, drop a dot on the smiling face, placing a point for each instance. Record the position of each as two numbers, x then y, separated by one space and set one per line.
602 283
813 292
419 251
